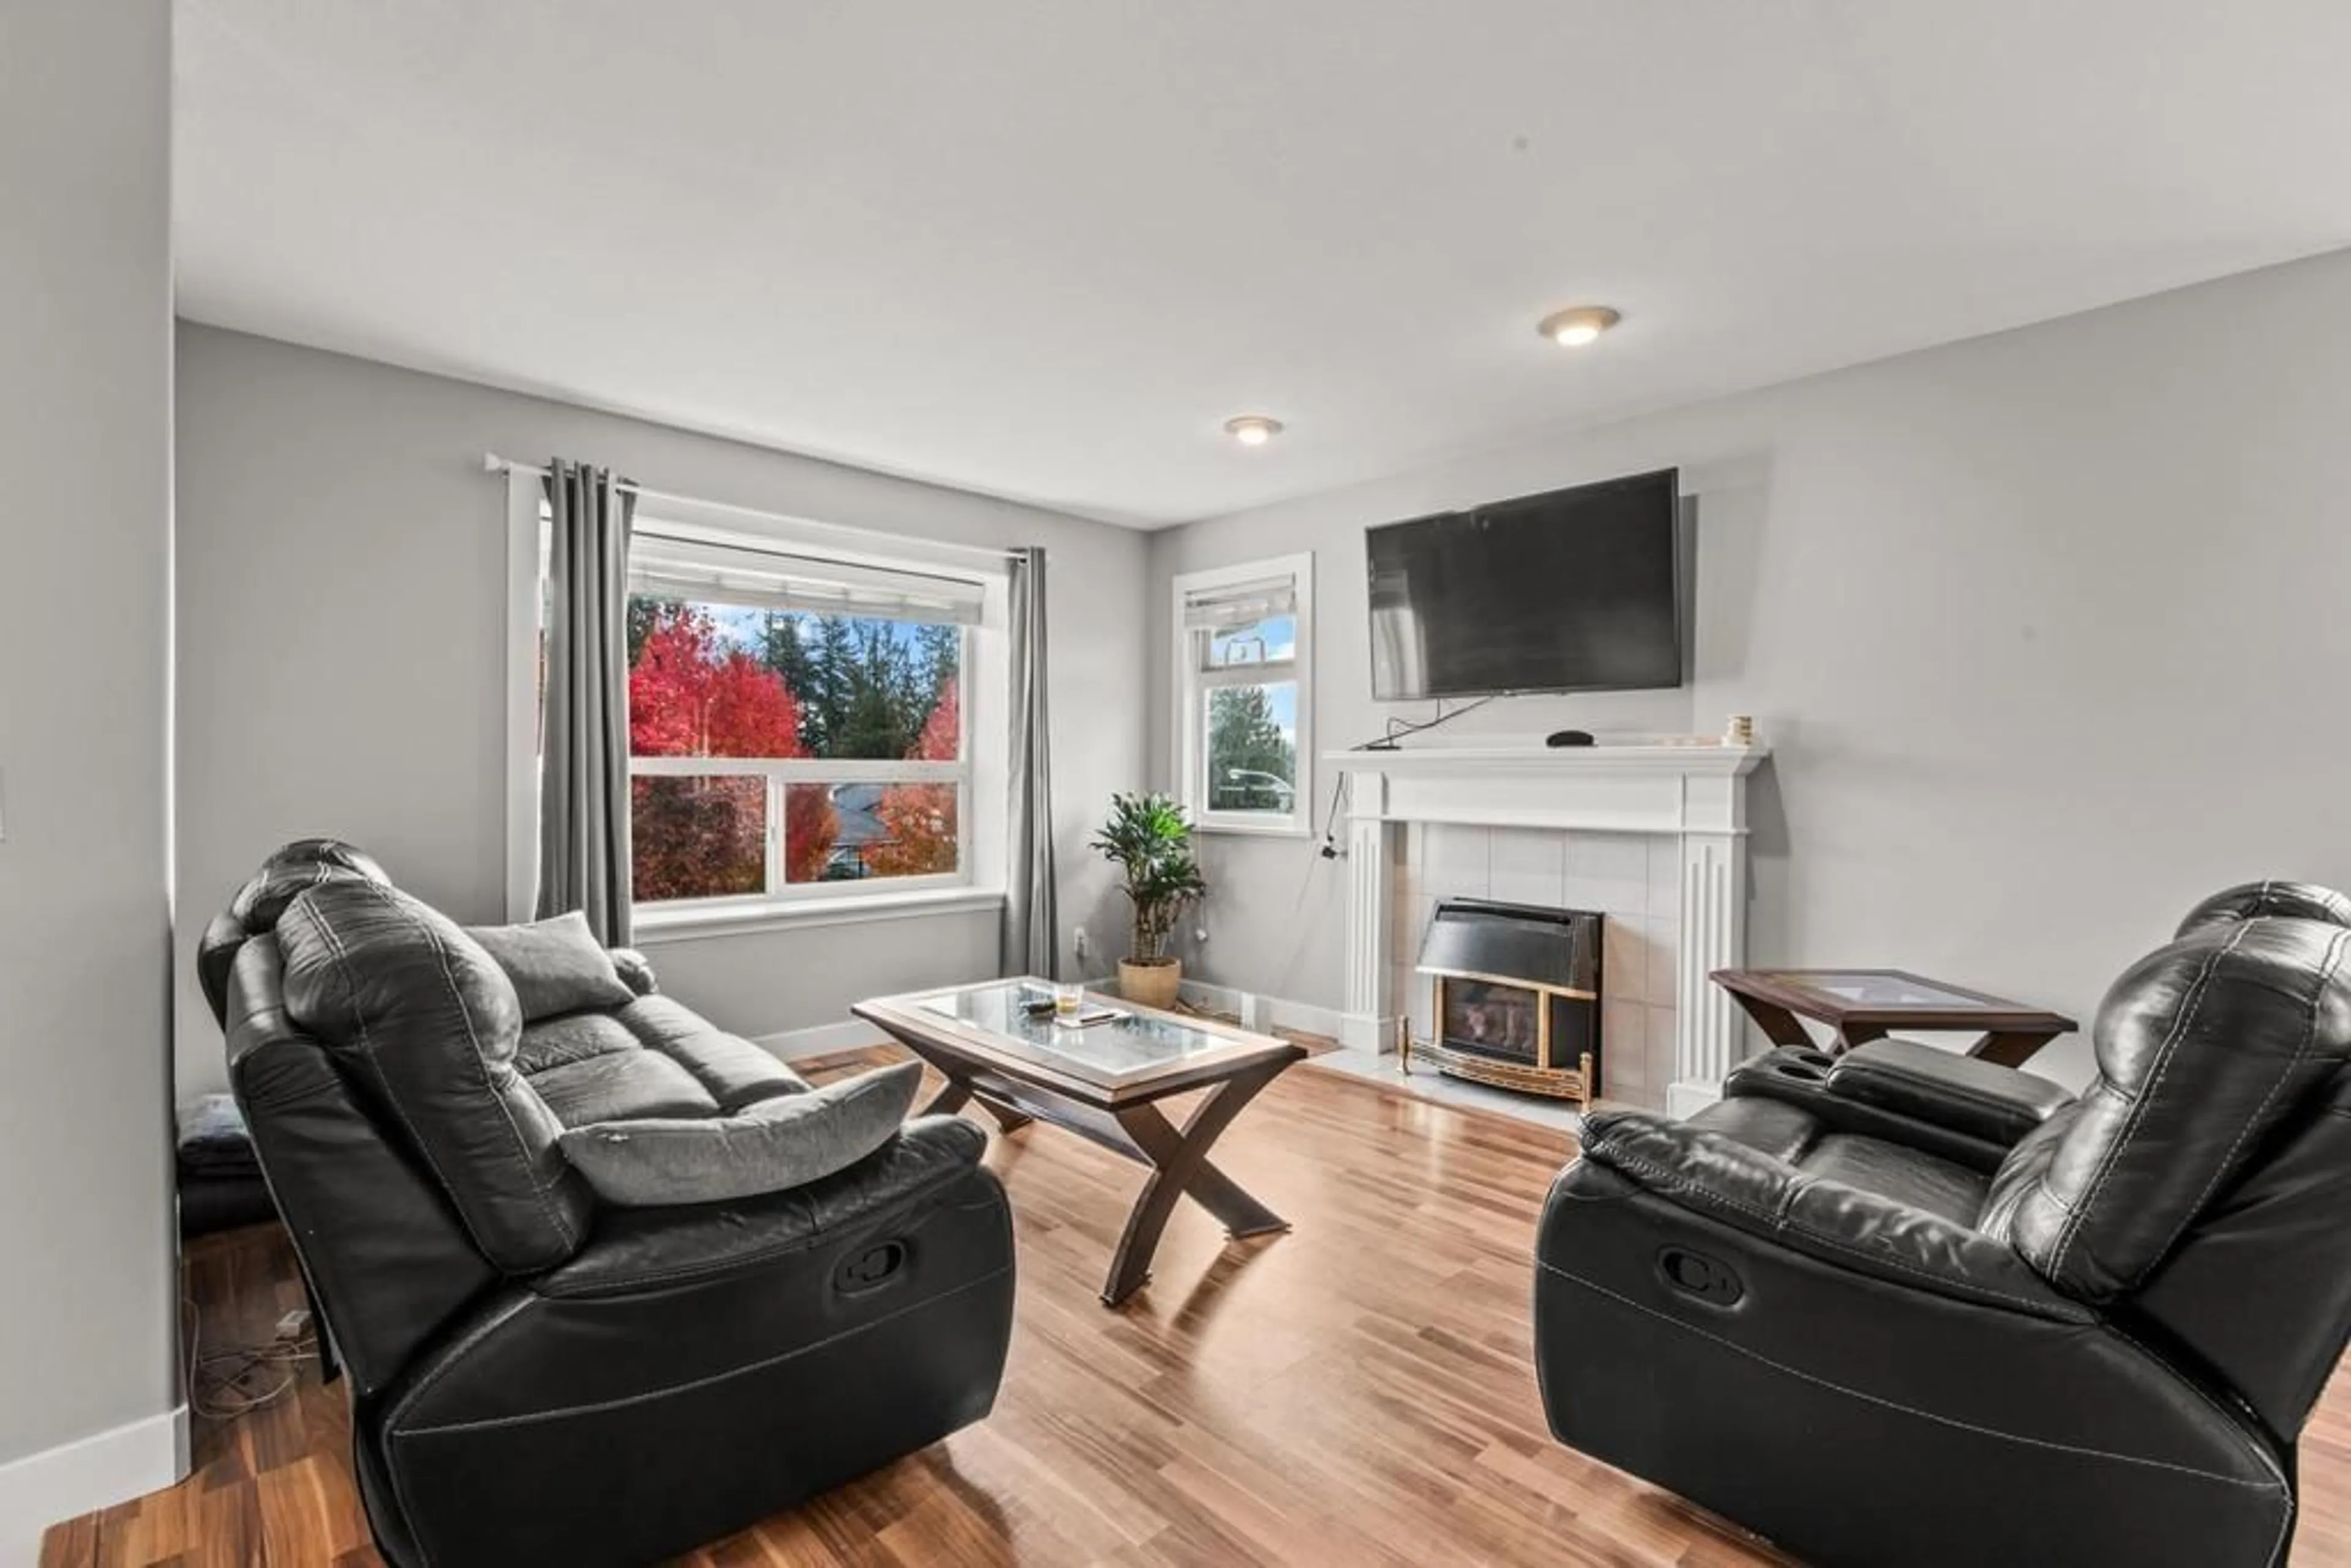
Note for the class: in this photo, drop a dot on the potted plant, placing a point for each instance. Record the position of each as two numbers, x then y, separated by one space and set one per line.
1149 839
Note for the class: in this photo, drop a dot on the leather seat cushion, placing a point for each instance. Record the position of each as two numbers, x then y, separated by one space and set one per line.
574 1037
1773 1127
581 1064
1910 1176
622 1085
733 1071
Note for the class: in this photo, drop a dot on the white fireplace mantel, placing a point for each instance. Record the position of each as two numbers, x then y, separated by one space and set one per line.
1695 793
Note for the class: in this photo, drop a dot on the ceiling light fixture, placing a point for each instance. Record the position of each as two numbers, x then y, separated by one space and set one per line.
1252 429
1573 327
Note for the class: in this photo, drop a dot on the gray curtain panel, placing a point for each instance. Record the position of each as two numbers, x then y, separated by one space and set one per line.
583 791
1031 940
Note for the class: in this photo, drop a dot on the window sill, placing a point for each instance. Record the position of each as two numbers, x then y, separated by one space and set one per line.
655 927
1285 828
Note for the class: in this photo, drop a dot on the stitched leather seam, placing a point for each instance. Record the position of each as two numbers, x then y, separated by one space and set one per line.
1559 1188
2252 1445
2225 1414
2190 1006
522 1146
1940 1420
399 1487
367 1049
1780 1224
646 1396
2285 1075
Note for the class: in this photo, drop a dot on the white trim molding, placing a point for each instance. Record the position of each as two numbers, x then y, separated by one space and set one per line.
88 1474
1693 793
1191 684
658 923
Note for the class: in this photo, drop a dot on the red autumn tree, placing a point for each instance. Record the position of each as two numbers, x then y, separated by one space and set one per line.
702 836
920 819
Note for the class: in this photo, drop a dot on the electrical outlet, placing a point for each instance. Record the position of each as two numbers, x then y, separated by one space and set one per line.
1077 943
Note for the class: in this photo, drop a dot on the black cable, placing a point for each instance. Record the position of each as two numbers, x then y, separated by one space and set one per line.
1331 820
1400 728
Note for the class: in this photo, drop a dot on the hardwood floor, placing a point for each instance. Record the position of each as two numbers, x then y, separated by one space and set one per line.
1357 1392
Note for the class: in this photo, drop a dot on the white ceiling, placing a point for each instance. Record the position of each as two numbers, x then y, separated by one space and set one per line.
1043 248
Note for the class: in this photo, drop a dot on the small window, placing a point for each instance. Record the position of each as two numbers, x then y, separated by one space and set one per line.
796 724
1244 688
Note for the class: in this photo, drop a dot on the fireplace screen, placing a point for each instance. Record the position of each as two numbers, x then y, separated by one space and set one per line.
1517 996
1497 1020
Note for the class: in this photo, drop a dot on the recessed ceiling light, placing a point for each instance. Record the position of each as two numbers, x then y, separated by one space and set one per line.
1252 429
1573 327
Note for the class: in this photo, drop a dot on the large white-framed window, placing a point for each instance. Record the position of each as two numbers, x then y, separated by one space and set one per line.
796 722
1244 695
814 733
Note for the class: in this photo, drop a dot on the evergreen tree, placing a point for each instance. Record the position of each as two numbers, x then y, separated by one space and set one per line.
1244 738
786 651
832 673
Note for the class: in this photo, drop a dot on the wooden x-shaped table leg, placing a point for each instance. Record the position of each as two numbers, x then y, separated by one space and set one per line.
958 1093
1180 1166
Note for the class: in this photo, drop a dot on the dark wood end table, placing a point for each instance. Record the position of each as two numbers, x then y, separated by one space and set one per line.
1863 1005
1103 1082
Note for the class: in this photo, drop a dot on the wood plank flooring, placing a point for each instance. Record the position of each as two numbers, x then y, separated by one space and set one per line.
1358 1392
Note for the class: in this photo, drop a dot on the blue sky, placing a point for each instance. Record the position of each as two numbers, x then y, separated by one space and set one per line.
1280 639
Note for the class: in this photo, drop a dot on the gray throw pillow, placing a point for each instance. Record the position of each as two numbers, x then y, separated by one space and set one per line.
557 965
786 1142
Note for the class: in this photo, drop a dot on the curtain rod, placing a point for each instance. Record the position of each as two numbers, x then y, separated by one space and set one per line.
494 464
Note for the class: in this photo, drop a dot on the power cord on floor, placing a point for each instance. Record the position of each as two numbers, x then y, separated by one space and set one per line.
226 1384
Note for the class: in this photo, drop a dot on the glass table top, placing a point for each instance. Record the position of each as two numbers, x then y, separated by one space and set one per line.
1864 988
1131 1044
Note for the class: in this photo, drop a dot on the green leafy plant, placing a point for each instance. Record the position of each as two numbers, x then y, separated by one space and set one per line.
1149 839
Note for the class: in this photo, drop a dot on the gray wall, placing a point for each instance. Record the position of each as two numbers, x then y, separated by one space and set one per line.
87 1307
341 639
2044 629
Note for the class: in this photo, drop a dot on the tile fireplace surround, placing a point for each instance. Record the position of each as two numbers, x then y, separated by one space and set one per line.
1652 836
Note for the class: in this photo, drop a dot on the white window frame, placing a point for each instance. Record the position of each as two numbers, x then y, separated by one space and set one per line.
981 771
1191 686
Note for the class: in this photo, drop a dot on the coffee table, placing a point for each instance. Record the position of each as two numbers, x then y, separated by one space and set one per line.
1103 1082
1863 1005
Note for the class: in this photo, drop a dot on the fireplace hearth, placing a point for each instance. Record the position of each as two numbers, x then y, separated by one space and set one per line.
1517 995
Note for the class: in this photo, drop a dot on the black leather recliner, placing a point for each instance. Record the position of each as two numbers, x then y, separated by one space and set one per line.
1903 1306
535 1377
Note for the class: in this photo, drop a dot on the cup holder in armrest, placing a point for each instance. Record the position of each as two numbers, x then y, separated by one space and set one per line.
1789 1072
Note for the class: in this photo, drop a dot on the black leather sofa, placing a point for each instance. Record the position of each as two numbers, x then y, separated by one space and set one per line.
536 1378
1903 1307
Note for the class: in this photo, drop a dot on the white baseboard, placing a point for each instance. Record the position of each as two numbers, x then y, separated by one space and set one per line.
820 1040
90 1473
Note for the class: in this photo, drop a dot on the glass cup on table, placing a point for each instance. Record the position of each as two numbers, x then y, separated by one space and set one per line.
1069 1002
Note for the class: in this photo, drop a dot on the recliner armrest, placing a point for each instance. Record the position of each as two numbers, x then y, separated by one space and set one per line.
1979 1099
1743 1187
644 1248
636 971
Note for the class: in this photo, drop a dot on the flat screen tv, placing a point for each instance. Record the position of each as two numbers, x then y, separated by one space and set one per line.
1575 590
